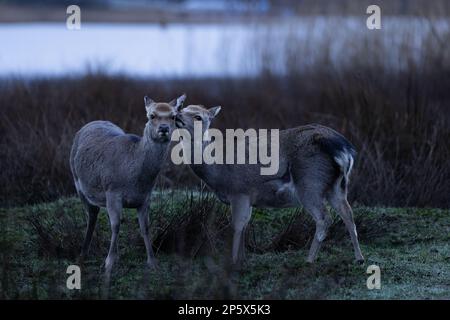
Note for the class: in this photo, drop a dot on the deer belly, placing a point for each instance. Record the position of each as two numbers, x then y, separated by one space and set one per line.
134 198
276 194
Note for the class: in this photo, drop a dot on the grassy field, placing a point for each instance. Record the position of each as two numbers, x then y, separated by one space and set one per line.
191 233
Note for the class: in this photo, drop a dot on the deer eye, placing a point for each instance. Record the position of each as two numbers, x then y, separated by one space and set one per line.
198 118
152 116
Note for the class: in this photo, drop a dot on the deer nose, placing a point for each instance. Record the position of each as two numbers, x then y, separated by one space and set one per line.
163 128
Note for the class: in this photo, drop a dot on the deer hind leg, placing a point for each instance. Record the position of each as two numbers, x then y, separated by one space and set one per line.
338 200
314 206
241 212
92 213
323 221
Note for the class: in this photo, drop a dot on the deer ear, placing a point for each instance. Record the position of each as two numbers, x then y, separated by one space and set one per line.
214 111
148 101
178 102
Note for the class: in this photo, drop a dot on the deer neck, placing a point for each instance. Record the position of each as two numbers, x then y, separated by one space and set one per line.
152 153
202 170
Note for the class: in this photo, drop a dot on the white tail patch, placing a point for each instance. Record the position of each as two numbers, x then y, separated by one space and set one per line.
345 161
350 167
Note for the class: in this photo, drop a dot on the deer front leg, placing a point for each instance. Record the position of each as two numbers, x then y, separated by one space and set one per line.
241 213
143 226
92 213
114 208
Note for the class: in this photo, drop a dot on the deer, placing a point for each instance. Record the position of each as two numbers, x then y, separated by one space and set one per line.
315 163
117 170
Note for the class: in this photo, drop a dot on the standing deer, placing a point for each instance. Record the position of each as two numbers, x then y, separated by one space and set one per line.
116 170
314 165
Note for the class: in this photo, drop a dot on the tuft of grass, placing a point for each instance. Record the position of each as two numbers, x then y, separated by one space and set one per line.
191 236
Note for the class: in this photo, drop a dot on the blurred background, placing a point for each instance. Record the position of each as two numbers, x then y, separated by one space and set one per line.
270 64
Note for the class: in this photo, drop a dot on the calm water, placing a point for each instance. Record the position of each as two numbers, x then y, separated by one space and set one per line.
197 50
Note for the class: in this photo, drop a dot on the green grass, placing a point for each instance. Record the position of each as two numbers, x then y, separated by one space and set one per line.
191 233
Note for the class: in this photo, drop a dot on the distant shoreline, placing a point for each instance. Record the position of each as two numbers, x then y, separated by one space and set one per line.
25 14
